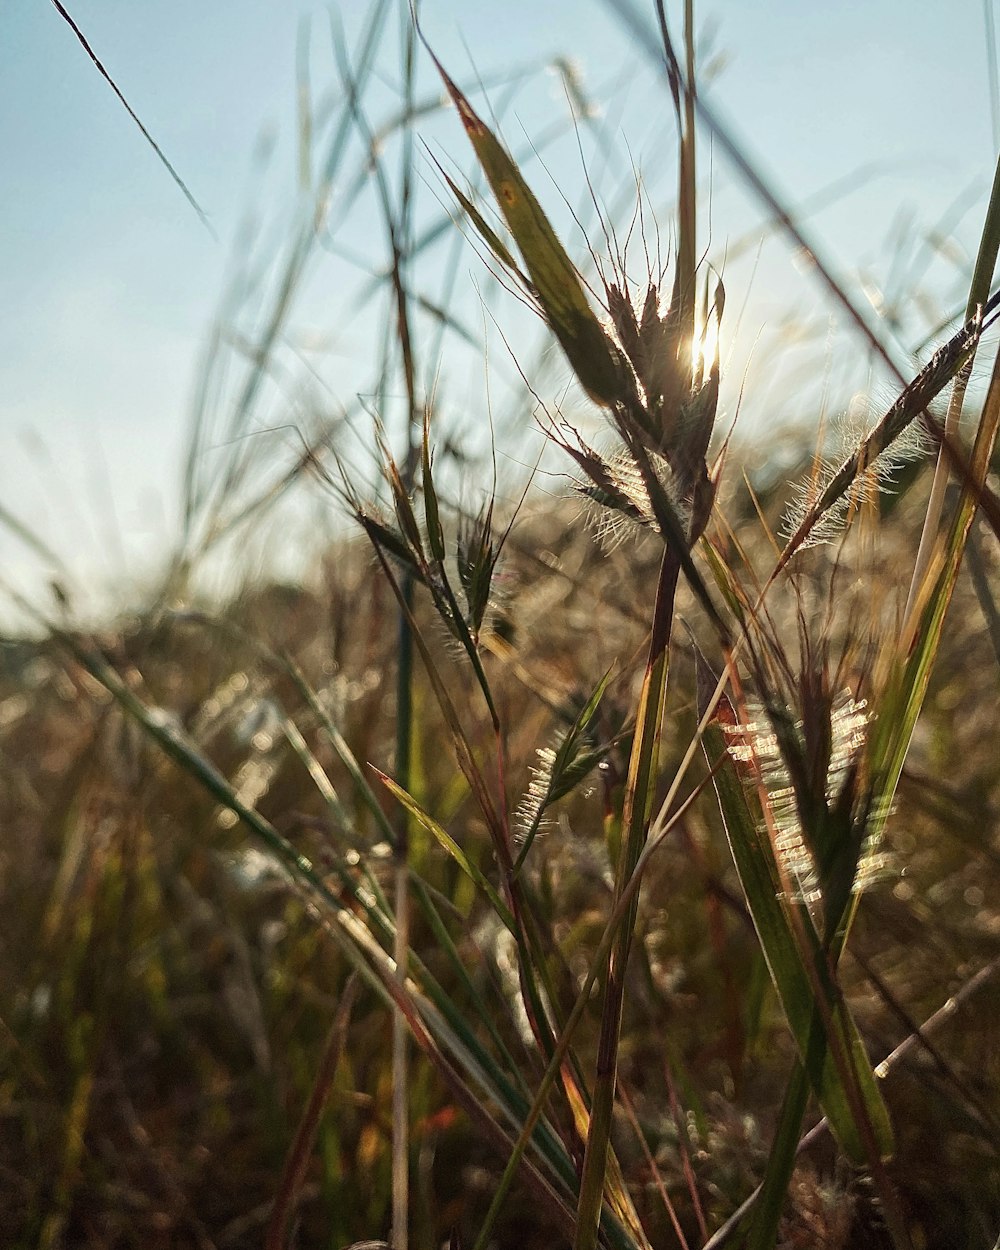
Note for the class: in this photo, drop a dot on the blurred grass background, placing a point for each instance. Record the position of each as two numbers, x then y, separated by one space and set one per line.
166 995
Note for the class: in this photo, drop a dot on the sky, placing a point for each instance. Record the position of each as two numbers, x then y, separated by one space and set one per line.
110 282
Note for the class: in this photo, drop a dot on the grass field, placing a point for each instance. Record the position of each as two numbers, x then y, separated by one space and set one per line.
613 868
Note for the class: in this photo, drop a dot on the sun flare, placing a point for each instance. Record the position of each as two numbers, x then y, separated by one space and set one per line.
704 347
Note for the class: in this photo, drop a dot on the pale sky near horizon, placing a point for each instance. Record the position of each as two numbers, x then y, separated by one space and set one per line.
109 282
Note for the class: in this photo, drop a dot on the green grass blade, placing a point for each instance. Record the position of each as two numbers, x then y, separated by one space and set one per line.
437 1023
761 883
979 291
452 847
486 232
907 688
594 358
763 1232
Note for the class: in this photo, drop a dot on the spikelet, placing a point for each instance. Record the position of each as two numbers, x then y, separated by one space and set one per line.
623 508
884 437
755 743
561 767
530 811
878 477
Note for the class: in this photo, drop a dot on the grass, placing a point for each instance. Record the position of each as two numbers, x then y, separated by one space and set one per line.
504 885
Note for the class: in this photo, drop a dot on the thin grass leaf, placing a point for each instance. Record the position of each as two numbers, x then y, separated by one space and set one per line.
488 234
437 1026
422 893
60 9
909 678
451 846
773 1193
979 288
446 320
554 278
609 1225
293 1173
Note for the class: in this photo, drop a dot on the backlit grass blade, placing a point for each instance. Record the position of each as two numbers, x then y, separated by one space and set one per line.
594 358
763 1231
437 1023
979 290
759 876
486 232
934 583
908 682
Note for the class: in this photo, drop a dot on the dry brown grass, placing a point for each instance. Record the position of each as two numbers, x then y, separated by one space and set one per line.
166 994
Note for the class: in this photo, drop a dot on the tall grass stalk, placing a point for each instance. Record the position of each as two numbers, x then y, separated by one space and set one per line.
644 761
402 241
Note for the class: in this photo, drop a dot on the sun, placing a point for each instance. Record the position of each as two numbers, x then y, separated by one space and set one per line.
704 348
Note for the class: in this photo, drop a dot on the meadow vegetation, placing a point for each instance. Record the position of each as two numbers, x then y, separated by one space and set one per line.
616 868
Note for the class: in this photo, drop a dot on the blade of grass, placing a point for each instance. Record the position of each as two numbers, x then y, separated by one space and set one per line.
424 899
431 1029
554 277
96 61
453 849
594 975
762 885
979 293
911 670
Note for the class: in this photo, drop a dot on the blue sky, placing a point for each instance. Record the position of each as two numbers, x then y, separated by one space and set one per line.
109 281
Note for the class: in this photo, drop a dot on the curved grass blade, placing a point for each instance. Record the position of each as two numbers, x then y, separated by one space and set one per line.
487 233
979 289
763 1232
98 65
437 1024
907 687
555 280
